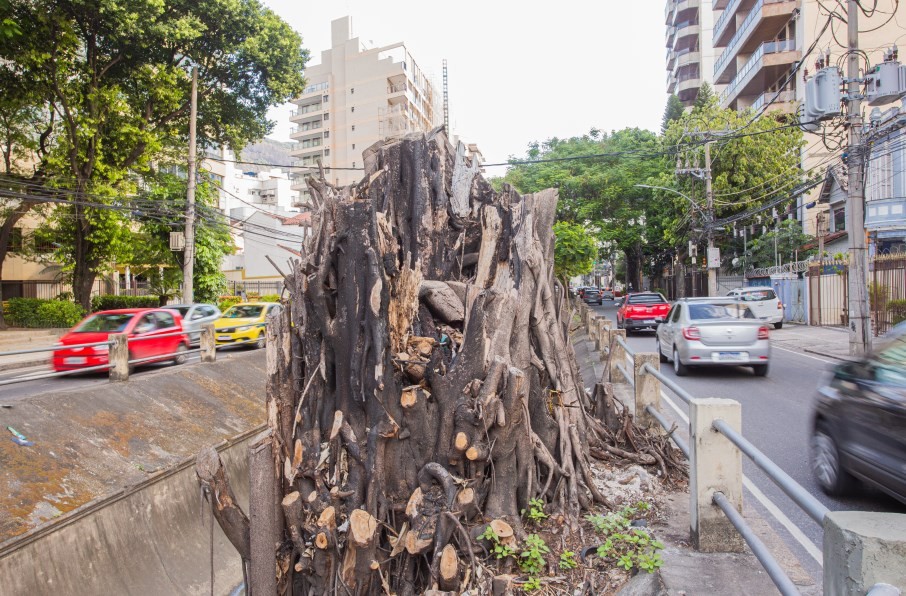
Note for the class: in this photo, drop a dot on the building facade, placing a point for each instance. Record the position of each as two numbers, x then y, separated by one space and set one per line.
885 189
690 53
355 97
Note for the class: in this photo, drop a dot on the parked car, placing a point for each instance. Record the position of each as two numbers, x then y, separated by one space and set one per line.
140 324
713 332
642 310
592 296
195 317
763 302
244 323
859 422
607 294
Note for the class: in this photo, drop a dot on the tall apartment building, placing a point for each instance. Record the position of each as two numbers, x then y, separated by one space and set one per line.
355 97
690 54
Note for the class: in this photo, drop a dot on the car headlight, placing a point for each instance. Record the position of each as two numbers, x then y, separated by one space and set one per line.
244 328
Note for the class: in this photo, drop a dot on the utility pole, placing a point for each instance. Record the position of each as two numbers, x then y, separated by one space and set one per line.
188 266
859 332
709 198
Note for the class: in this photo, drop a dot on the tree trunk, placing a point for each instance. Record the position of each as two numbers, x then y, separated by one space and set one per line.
422 376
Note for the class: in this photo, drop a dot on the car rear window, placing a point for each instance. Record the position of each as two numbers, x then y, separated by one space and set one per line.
182 310
111 323
243 312
759 295
646 299
703 312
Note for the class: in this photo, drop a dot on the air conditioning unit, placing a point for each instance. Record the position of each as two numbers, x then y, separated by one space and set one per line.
177 240
823 95
885 83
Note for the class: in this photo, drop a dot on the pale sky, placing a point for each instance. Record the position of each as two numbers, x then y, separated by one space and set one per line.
518 71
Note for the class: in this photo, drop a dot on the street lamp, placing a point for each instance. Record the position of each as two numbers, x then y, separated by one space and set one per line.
712 273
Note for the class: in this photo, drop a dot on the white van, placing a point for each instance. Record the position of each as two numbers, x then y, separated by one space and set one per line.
763 302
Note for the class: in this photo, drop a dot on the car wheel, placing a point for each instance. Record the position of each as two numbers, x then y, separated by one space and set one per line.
761 370
660 355
778 325
181 356
261 341
830 475
679 368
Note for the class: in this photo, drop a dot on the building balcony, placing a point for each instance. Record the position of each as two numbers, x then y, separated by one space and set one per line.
722 29
719 4
688 56
687 85
886 214
686 10
671 83
668 11
784 102
671 58
671 35
687 35
766 18
767 64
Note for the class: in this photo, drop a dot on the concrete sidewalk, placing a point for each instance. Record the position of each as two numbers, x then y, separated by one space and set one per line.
12 340
685 570
830 342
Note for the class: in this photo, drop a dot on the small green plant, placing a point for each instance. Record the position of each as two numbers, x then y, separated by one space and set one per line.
624 546
568 560
532 584
535 511
500 551
531 559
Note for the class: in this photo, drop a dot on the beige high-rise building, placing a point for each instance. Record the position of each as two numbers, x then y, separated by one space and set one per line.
355 97
690 54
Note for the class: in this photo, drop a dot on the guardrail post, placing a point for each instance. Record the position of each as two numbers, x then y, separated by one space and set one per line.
603 333
118 357
715 464
862 549
617 353
207 344
647 389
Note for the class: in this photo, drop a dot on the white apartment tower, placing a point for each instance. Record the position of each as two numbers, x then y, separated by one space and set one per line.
355 97
690 54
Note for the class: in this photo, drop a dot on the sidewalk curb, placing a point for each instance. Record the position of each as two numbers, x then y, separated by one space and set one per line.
828 355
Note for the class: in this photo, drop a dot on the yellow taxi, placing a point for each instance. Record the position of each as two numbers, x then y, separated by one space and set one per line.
244 323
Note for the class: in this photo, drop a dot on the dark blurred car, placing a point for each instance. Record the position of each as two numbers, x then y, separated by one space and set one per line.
859 423
592 296
607 294
142 324
642 310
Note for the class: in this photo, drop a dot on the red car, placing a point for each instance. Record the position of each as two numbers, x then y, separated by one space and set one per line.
135 323
642 310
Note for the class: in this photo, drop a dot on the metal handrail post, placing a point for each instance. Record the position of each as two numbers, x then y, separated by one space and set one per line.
118 357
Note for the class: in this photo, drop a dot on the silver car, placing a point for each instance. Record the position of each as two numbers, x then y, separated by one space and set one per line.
194 317
763 302
713 332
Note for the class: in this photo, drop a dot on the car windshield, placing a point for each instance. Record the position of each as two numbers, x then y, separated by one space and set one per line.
243 312
702 312
104 323
646 299
759 295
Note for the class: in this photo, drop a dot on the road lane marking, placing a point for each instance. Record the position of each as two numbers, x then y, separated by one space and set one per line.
765 501
804 355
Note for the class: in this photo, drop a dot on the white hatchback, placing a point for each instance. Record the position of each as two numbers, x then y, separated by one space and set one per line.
763 302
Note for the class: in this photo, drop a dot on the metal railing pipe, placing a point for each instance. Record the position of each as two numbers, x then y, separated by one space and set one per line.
670 383
626 374
162 335
626 347
812 506
55 348
761 552
51 375
679 441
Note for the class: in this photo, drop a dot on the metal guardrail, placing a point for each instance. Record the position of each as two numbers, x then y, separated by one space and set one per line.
55 348
670 383
761 552
812 506
678 441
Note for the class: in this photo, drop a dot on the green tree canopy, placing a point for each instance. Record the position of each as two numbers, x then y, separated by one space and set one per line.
117 76
574 252
672 111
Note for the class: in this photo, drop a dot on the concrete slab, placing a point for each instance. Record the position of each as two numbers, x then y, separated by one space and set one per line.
92 442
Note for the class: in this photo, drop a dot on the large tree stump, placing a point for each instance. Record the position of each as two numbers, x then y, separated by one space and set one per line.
421 376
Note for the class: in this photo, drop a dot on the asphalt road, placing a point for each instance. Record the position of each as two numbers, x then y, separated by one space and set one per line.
12 393
776 415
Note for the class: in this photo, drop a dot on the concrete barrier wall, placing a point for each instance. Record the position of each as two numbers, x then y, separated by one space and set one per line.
106 501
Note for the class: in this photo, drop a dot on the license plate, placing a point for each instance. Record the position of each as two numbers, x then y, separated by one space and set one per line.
730 356
224 338
75 360
649 321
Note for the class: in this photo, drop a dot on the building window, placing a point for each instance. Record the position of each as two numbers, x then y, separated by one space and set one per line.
353 146
353 127
326 152
15 240
353 108
326 134
325 98
326 117
353 164
352 90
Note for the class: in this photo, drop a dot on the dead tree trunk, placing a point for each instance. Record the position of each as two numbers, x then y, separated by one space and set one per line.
422 377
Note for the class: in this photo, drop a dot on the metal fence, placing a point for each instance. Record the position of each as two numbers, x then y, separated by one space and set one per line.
261 288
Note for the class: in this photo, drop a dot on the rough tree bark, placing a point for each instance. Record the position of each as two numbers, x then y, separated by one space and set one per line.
421 378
